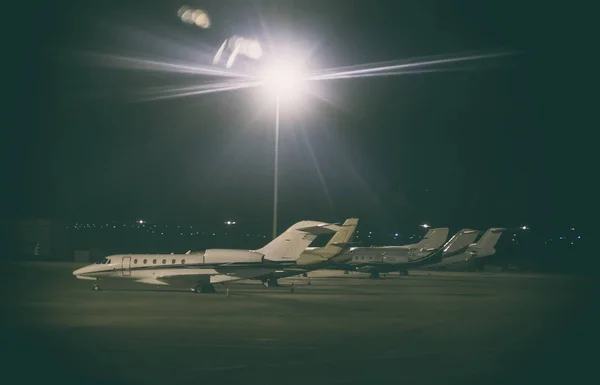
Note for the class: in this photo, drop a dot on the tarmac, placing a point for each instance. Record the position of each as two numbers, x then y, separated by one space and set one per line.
425 328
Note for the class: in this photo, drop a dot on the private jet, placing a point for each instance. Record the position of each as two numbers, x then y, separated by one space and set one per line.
484 247
383 259
200 271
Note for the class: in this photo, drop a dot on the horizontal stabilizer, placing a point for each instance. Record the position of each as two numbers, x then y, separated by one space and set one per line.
292 242
321 229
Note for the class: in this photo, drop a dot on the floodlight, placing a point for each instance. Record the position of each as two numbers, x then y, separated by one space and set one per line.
283 78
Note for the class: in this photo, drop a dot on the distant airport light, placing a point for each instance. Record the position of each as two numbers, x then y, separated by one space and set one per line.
572 228
140 221
425 225
579 237
395 235
230 223
524 228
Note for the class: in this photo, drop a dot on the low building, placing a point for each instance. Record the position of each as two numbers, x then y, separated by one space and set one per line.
37 239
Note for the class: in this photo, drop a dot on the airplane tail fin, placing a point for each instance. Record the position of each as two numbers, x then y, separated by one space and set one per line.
343 237
489 239
434 238
459 242
485 245
289 245
340 240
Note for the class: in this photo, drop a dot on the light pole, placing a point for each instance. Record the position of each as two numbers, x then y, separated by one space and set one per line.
284 80
276 181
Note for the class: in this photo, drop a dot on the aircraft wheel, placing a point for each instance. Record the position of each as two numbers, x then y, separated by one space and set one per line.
269 282
96 288
204 288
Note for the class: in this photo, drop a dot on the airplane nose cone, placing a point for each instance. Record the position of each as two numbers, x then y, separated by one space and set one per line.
78 271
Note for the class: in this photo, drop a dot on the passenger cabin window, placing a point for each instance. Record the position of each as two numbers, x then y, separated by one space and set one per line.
182 261
135 261
164 261
145 261
154 261
173 262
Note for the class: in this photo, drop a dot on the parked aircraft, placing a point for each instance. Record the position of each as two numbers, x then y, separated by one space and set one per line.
201 271
378 259
484 247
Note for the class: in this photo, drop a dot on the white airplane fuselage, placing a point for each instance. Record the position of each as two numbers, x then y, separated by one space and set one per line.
146 268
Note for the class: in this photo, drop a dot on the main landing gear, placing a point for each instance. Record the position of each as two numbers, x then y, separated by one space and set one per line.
96 287
270 282
204 288
403 272
374 275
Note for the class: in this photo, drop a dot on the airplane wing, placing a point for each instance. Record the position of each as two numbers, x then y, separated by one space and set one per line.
190 277
151 281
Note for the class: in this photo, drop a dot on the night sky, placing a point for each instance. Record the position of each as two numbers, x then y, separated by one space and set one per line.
489 145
